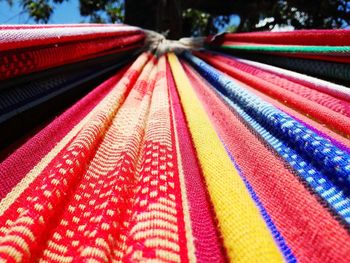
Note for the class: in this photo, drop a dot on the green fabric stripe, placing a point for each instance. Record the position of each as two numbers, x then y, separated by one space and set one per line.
291 49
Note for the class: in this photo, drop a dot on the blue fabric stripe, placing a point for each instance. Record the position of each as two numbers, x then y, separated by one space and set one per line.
322 165
319 182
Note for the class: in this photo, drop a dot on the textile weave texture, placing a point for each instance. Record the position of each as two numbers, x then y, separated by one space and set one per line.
198 156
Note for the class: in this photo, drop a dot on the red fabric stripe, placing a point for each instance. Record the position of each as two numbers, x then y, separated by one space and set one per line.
181 224
206 240
15 63
37 147
297 37
334 120
310 231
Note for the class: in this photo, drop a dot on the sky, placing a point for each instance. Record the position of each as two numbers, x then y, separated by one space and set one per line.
67 12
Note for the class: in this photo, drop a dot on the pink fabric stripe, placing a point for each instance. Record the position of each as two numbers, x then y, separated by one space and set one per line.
208 247
29 154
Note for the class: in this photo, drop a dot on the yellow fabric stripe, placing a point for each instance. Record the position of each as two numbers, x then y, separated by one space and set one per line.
245 234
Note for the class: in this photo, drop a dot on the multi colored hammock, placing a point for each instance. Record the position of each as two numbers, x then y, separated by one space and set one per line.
197 156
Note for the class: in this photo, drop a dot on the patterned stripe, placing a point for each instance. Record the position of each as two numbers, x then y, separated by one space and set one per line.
338 140
158 188
38 168
63 171
310 173
112 165
226 189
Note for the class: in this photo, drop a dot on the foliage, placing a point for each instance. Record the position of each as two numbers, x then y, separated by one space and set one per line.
103 11
196 22
98 11
299 14
258 15
201 17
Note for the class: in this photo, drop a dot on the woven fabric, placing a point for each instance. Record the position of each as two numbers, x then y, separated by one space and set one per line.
338 105
322 50
20 95
335 120
299 37
35 149
282 123
219 187
32 36
206 237
278 188
326 70
194 157
312 44
30 49
338 91
331 57
206 96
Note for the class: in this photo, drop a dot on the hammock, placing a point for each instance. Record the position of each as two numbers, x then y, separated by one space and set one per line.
195 155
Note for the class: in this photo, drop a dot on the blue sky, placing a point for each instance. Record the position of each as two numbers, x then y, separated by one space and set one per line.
67 12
